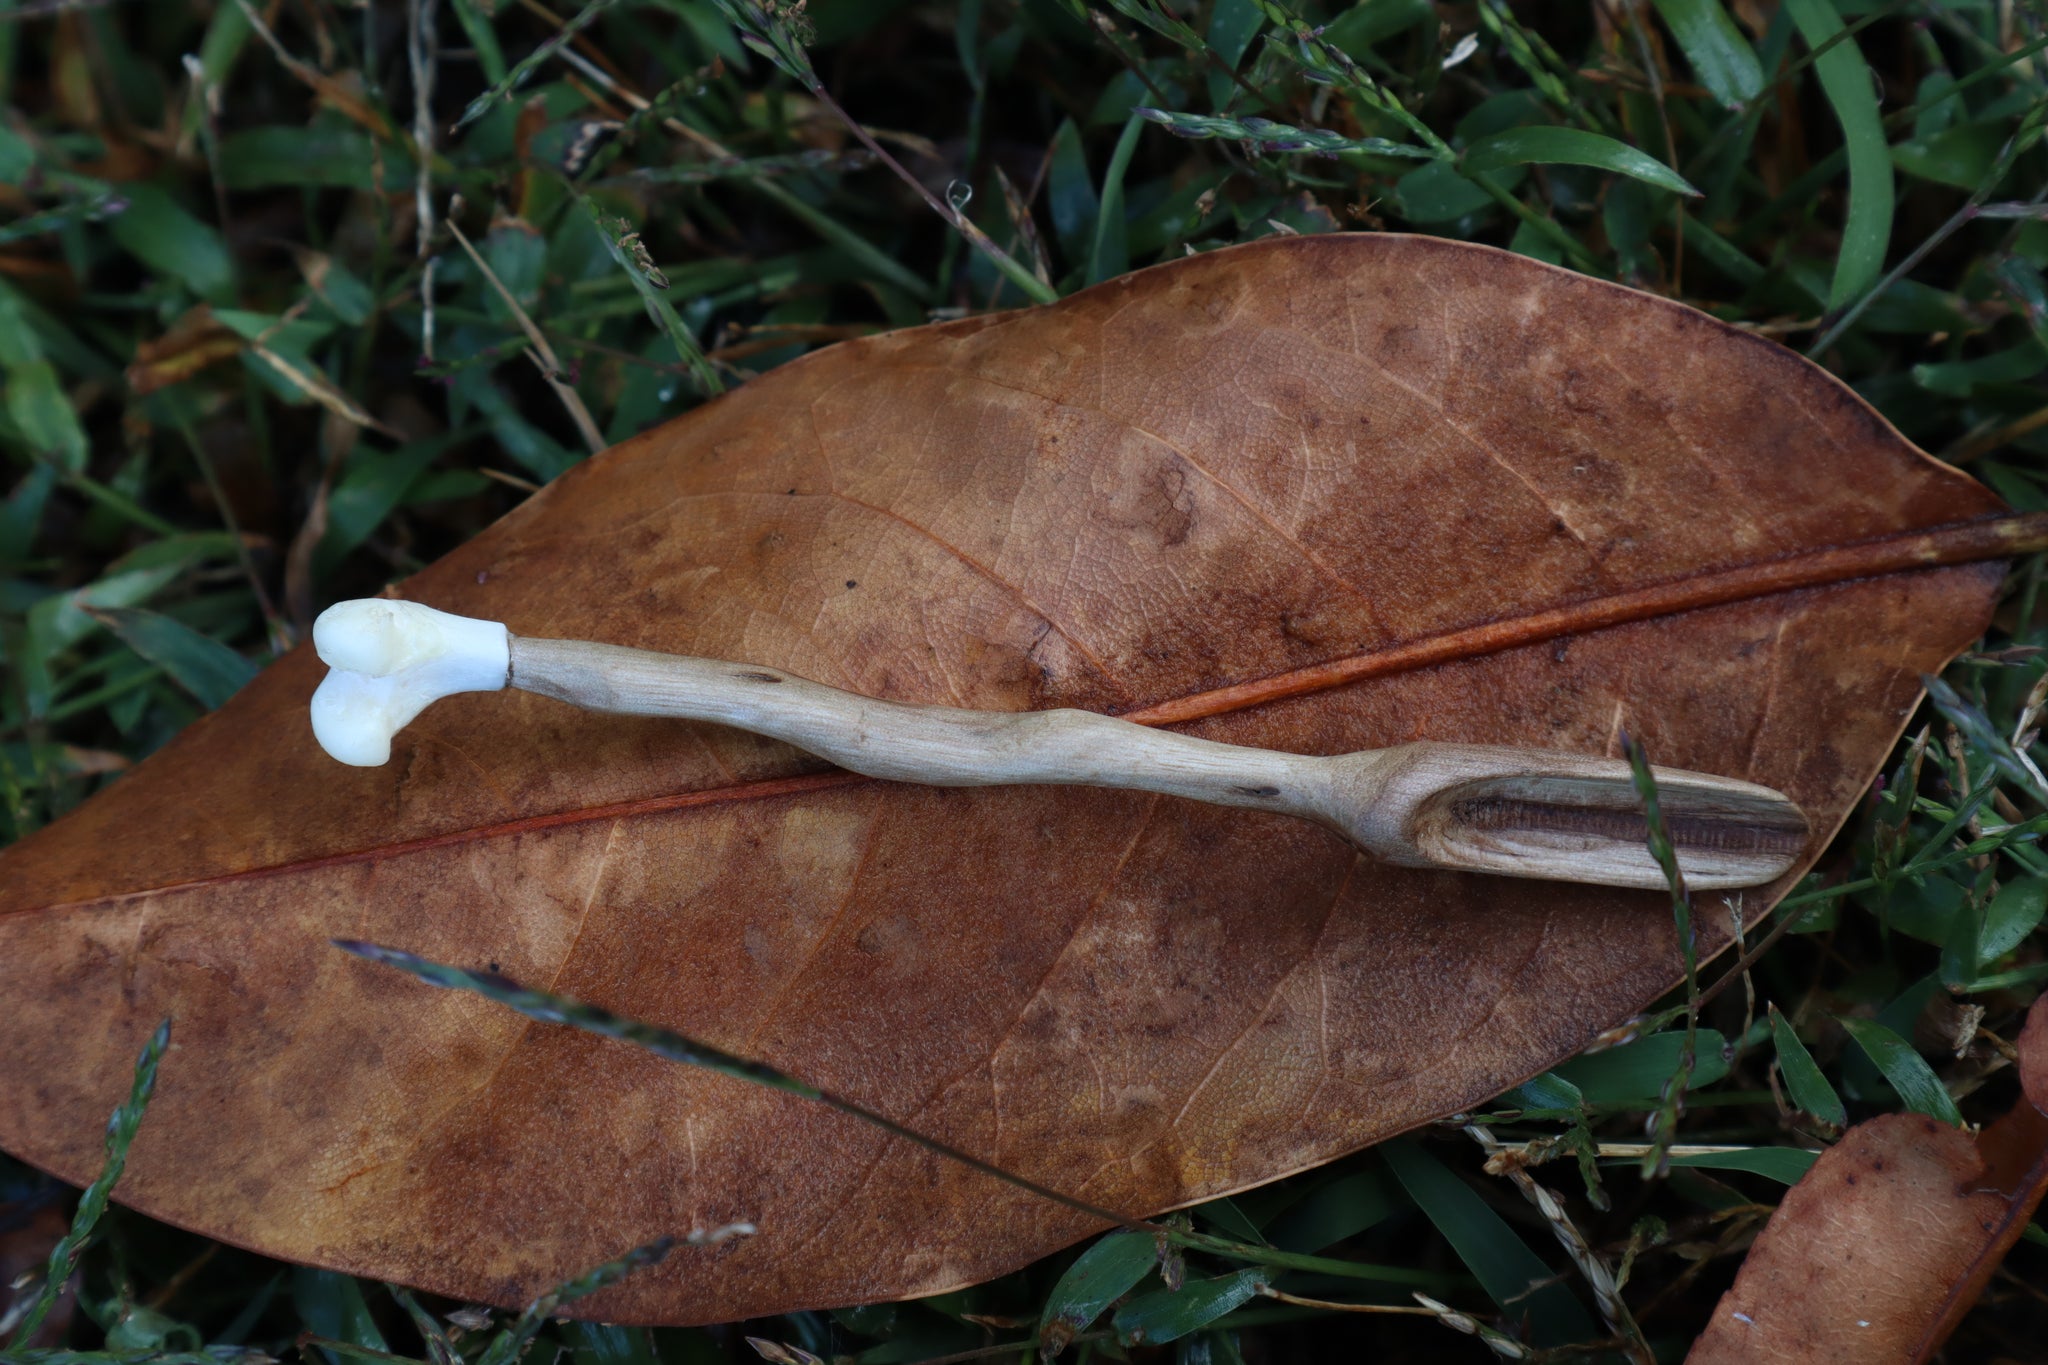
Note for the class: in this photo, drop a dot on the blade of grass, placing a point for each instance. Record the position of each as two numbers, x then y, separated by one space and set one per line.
1269 136
1102 1274
550 366
1513 1275
200 664
1170 1314
1804 1079
512 1342
871 257
34 395
1802 189
627 252
1664 1124
1978 730
1722 58
1108 256
1571 147
1636 1072
117 502
676 1048
1906 1069
440 1350
528 64
121 1129
556 1009
483 39
2023 138
779 34
1324 63
1011 269
1845 80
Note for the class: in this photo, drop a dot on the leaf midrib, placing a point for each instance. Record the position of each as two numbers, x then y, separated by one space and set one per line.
1920 550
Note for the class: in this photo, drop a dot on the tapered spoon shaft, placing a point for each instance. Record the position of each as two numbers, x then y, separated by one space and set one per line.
939 746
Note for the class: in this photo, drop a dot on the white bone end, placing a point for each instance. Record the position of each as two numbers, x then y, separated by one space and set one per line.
392 660
380 637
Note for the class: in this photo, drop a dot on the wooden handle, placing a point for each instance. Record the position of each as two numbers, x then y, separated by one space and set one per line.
939 746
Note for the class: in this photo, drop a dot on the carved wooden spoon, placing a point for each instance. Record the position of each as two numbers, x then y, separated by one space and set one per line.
1469 807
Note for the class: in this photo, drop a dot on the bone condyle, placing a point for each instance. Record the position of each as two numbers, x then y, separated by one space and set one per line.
391 660
1476 808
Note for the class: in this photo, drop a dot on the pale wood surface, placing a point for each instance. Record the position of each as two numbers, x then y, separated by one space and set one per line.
1519 812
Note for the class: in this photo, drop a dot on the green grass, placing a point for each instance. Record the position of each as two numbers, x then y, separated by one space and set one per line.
243 378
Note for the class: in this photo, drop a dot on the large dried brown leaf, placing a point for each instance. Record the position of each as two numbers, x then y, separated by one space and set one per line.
1319 494
1878 1252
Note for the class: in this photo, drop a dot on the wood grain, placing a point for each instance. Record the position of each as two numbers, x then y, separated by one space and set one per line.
1517 812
